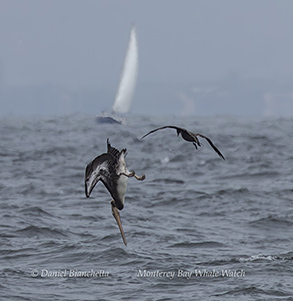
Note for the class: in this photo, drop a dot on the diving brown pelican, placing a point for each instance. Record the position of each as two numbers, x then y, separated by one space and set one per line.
110 169
188 136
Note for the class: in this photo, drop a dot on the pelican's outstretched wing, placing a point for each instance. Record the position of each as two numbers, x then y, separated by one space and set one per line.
98 169
212 145
161 128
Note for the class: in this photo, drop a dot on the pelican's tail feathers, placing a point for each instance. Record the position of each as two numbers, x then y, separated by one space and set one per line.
112 150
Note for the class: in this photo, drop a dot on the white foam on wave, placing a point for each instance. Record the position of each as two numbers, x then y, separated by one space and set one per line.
258 257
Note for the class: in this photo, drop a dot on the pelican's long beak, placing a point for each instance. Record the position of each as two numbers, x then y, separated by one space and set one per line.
116 215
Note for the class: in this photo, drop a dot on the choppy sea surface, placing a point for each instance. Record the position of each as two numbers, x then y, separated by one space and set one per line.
198 227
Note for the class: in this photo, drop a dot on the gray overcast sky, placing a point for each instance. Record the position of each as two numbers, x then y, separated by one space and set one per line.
82 43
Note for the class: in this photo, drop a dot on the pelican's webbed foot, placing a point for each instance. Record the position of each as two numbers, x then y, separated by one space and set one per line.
129 175
133 174
196 144
139 178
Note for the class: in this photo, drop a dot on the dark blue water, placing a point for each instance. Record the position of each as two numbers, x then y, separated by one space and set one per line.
197 228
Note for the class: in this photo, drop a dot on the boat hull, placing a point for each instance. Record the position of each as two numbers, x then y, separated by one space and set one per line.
110 119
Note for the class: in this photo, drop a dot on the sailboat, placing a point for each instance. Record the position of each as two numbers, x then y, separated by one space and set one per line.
126 87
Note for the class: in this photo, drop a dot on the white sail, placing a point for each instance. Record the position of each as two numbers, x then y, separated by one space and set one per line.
127 83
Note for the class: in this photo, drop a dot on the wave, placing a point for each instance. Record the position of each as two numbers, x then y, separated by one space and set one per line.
35 211
41 232
264 258
272 222
253 290
204 245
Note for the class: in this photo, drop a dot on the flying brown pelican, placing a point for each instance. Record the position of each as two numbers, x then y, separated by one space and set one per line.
188 136
110 169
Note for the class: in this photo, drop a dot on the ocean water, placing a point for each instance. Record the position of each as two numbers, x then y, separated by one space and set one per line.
197 228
